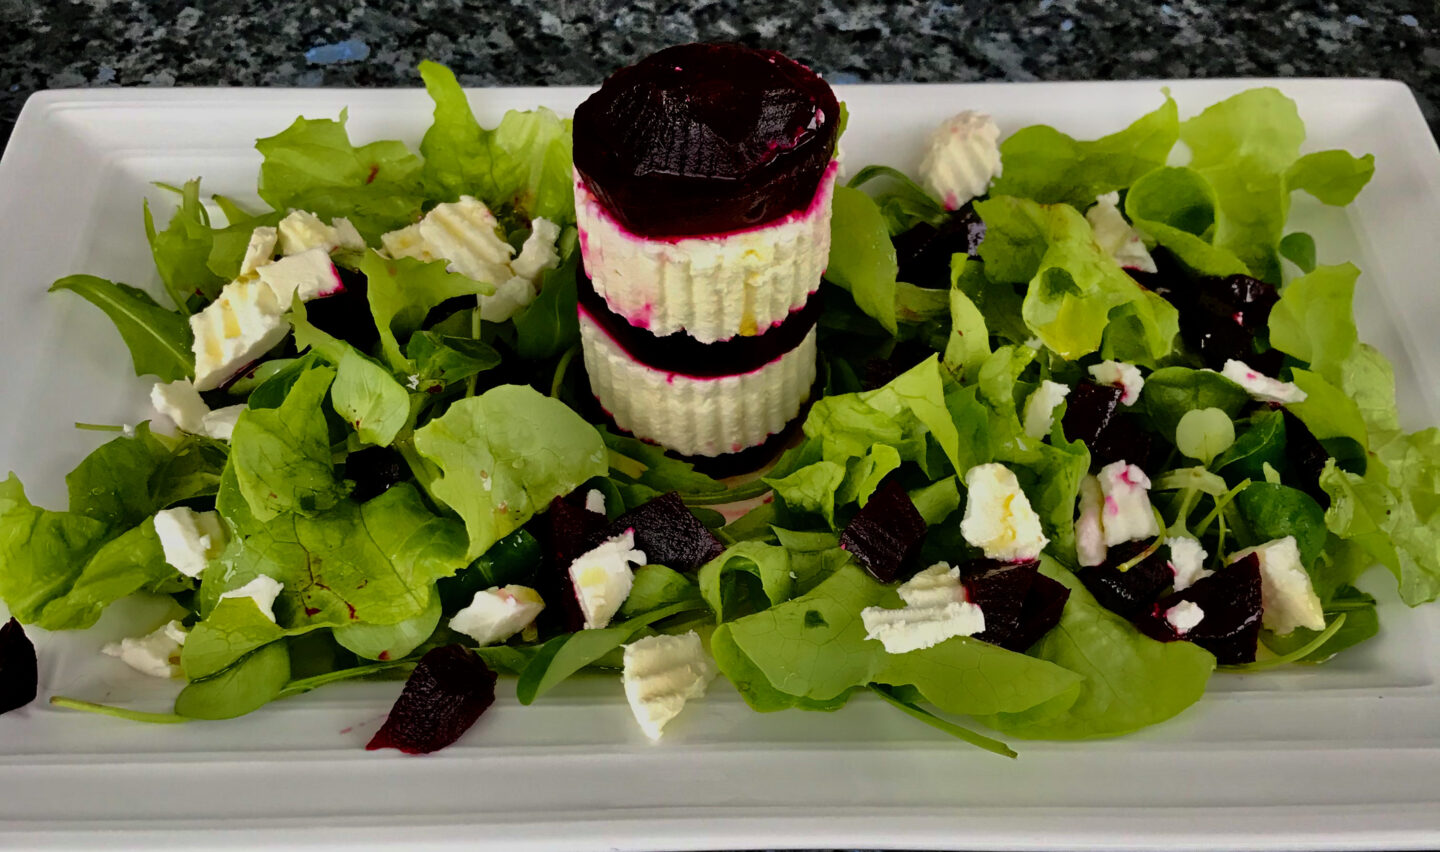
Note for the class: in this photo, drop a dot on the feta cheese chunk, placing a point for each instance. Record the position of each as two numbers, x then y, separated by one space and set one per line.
301 231
407 242
237 328
595 501
309 275
935 586
220 423
496 614
912 628
260 250
1127 515
1187 561
662 673
998 518
1184 616
961 157
602 578
537 253
262 590
156 654
1260 386
180 402
1089 533
1286 594
347 236
190 539
1040 408
1124 376
1115 236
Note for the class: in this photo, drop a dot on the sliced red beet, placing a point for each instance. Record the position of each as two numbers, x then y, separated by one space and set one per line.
1230 601
1000 590
1041 612
669 534
1094 417
706 138
1129 593
1224 318
346 313
886 534
924 251
569 530
19 668
446 693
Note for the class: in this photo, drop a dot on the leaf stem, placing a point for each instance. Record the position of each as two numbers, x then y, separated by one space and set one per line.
1294 656
99 427
560 369
296 687
958 731
118 712
744 491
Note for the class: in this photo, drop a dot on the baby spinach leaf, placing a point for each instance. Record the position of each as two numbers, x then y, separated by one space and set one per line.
41 552
1171 392
656 586
902 202
1361 623
634 461
1275 511
862 258
282 455
385 642
521 448
724 580
1259 443
234 628
244 687
113 483
159 340
973 678
128 563
367 396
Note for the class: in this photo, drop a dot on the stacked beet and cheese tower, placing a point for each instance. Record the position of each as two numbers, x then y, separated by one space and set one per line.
704 175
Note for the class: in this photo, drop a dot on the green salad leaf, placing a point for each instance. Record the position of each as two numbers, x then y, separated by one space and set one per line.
367 396
1314 321
182 251
1334 177
1172 392
244 687
862 258
159 340
390 641
726 581
1176 207
282 455
402 291
129 563
41 552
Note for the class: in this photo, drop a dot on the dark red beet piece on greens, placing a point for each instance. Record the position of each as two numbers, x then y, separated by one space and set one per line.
1230 601
924 252
669 534
1020 603
375 470
569 530
446 693
886 534
346 314
1226 315
705 139
19 668
1093 416
1041 612
1129 593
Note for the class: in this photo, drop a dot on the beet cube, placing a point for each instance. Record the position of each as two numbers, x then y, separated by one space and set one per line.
446 693
1129 593
924 251
346 313
375 470
19 669
886 534
1230 601
569 530
669 534
1226 315
1093 416
1040 613
1000 590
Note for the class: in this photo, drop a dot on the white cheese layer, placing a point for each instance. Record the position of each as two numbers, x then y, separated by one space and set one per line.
156 654
1121 375
697 416
711 287
1116 237
662 673
242 324
998 517
962 156
1040 408
496 614
180 402
1286 594
1261 386
190 539
263 590
603 577
1127 515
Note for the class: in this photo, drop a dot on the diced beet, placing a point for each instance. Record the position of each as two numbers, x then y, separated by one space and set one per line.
1041 612
375 470
19 669
446 693
669 534
1093 416
924 251
1225 317
1131 592
346 314
569 530
1230 601
1000 590
886 534
1306 457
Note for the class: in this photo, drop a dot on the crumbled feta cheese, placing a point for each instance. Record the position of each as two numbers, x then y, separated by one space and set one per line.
961 157
507 300
309 275
1260 386
156 654
190 539
407 242
935 586
1115 236
1089 533
912 628
220 423
1127 515
662 673
301 231
241 325
262 590
346 235
602 577
1187 561
180 402
998 518
1040 408
260 250
1286 594
1184 616
595 501
1121 375
496 614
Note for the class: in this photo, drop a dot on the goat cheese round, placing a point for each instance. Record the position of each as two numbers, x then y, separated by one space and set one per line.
962 156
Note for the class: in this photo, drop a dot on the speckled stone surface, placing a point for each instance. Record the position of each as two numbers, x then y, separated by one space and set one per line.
378 43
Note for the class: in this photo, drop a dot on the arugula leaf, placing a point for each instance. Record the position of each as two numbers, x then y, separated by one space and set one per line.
1172 392
1314 319
1042 164
402 291
182 250
159 340
522 449
113 483
367 396
282 455
1334 177
1131 681
244 687
41 552
862 258
723 579
632 461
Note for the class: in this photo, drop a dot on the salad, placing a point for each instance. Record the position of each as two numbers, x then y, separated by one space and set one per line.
1076 445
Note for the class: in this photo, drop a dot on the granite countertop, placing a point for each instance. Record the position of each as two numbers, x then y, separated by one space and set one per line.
68 44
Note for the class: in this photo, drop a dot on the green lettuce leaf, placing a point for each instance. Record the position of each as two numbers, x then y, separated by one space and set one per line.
402 291
726 582
656 586
114 483
504 455
367 396
1334 177
390 641
862 258
551 324
159 340
811 488
41 552
182 251
969 343
244 687
129 563
234 628
282 455
1314 320
1176 208
444 360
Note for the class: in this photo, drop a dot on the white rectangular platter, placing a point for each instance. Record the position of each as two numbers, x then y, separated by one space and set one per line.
1342 756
